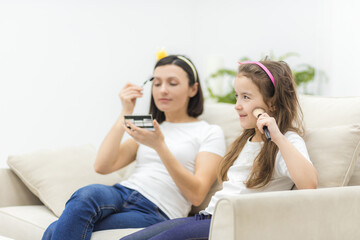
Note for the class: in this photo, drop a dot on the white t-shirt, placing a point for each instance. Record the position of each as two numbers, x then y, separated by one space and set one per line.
239 172
185 141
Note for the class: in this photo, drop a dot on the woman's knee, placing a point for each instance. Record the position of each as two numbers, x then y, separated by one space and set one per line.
88 193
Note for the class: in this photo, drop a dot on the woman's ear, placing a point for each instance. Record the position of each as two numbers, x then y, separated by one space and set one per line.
193 89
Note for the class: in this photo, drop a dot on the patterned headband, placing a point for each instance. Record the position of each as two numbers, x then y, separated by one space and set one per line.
190 64
162 53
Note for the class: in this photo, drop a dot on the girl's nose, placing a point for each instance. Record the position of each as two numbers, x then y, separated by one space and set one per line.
238 105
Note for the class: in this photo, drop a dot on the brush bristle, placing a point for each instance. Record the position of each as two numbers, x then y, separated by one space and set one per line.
258 111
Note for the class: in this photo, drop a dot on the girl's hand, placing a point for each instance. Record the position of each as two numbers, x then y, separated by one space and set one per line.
266 120
128 96
153 139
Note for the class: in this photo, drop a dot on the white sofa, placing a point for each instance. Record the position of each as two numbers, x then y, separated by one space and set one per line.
34 190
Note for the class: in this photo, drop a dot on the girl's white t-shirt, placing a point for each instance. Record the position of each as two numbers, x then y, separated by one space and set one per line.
185 141
239 172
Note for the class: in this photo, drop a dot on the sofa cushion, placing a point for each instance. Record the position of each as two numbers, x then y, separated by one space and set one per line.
355 178
329 111
25 222
334 151
13 191
30 222
319 112
53 175
224 115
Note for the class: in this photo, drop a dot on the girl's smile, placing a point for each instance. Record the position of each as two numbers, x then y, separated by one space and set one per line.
248 97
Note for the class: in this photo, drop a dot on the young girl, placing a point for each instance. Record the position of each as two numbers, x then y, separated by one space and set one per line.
176 163
253 163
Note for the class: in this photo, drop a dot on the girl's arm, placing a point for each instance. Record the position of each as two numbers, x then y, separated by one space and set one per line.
194 186
302 172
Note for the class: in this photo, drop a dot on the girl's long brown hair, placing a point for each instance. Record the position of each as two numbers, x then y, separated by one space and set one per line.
286 110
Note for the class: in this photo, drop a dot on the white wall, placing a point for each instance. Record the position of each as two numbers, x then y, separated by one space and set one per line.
346 48
62 63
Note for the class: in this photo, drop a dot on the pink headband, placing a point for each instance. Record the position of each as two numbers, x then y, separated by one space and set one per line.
263 67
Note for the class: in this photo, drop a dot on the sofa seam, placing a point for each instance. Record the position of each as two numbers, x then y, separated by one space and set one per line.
354 158
17 218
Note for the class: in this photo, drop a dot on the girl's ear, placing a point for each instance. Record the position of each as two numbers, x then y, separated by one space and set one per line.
193 89
272 108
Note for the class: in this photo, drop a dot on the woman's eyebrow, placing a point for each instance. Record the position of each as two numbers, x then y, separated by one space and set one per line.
168 78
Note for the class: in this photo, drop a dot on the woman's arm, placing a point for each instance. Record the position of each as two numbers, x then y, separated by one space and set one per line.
194 186
112 155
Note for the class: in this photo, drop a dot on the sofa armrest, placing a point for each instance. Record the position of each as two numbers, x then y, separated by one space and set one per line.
13 192
329 213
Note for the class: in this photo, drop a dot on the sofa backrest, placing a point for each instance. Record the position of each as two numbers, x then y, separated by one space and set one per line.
322 112
330 111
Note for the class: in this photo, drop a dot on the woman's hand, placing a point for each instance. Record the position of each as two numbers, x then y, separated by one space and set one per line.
153 139
270 122
128 96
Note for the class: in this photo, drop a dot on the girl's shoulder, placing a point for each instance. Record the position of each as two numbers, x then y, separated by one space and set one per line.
298 142
292 135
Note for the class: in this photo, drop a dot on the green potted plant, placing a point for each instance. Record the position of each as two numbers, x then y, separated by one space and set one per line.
303 74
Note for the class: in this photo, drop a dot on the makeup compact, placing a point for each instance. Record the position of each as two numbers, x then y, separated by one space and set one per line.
142 121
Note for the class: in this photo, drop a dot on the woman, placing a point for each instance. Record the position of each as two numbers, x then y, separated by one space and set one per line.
176 163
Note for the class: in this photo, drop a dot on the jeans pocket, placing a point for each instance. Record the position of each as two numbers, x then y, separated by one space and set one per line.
133 198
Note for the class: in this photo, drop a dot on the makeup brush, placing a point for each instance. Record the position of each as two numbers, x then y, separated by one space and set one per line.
148 80
257 113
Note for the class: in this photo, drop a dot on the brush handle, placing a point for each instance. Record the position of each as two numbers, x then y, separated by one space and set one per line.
266 130
267 134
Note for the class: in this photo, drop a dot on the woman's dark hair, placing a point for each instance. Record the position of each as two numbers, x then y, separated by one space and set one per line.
196 103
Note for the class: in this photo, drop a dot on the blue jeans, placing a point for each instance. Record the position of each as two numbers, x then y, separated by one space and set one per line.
196 227
99 207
